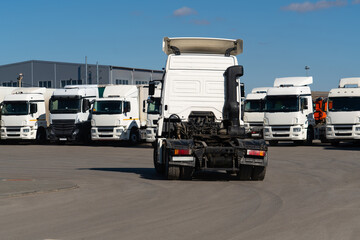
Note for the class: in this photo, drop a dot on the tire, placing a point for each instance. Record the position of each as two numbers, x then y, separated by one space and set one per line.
41 136
273 142
309 137
159 168
258 173
245 172
171 172
134 136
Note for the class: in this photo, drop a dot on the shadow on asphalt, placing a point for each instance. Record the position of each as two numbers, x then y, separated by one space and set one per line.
150 174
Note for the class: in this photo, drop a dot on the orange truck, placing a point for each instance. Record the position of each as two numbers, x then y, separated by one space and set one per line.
320 106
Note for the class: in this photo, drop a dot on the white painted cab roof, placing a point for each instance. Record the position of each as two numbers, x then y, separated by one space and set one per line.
202 45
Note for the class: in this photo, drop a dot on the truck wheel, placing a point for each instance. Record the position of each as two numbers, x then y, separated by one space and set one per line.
258 173
159 168
273 142
245 172
186 173
309 137
134 136
171 172
40 136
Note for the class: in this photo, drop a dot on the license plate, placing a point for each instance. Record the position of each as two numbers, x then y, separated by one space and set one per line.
63 139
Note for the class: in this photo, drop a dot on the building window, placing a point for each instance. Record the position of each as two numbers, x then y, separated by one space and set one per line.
70 82
141 82
10 84
121 82
46 84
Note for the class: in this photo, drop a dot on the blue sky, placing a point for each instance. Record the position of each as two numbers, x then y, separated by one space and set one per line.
280 37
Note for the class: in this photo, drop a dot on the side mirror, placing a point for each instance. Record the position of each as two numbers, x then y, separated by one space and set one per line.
151 88
33 108
242 90
86 105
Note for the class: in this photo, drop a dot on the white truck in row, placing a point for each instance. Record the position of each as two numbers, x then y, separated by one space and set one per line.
199 125
343 115
120 114
254 111
289 111
25 114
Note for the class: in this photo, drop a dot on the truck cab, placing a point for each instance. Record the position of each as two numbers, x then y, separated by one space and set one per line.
343 116
289 111
254 107
25 114
153 113
70 112
116 116
199 125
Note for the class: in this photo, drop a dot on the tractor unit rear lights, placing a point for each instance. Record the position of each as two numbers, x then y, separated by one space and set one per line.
179 152
258 153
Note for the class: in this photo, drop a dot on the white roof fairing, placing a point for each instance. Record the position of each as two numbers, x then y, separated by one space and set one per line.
293 81
349 81
203 45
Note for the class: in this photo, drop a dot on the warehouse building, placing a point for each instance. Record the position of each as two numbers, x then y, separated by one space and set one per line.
58 74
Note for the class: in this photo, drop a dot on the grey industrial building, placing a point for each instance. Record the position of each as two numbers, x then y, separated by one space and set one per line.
58 74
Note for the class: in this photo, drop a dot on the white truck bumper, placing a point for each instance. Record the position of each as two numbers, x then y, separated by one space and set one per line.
25 133
343 132
284 133
109 133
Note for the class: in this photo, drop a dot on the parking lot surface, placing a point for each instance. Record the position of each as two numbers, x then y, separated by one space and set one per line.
113 192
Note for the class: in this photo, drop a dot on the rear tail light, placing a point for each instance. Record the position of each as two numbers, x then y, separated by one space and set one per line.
256 153
182 152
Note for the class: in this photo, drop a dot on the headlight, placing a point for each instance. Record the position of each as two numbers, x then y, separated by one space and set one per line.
328 129
297 129
357 129
266 130
26 130
2 130
93 131
266 121
328 120
119 130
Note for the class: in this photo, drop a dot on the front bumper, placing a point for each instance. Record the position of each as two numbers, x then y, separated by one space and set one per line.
109 134
343 132
285 133
150 135
24 132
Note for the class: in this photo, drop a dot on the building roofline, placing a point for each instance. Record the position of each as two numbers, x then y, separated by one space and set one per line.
110 66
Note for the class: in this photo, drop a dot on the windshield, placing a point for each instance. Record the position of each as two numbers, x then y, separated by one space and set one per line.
154 106
254 105
15 108
339 104
107 107
282 104
65 105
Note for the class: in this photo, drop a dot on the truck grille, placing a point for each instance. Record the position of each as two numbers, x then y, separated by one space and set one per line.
63 127
13 129
105 129
281 135
281 129
256 124
343 134
343 127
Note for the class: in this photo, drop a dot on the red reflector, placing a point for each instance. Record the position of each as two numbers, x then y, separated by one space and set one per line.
182 152
256 153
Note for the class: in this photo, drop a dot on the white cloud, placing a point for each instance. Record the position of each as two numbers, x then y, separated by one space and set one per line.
184 11
308 6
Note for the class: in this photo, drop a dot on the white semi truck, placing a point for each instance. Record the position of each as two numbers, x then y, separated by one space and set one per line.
153 113
120 114
25 114
289 111
70 112
199 125
343 116
254 112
